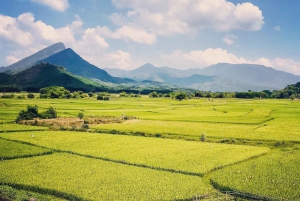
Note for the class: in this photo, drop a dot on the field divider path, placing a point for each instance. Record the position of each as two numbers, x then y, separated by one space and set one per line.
45 191
110 160
139 164
216 122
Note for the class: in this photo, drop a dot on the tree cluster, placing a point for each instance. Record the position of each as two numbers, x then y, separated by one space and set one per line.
55 92
32 113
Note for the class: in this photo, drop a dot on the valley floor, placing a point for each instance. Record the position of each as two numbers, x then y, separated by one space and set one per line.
171 150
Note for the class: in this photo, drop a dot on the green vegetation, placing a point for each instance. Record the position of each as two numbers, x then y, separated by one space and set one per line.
274 175
251 146
72 177
177 155
21 195
32 113
11 150
291 91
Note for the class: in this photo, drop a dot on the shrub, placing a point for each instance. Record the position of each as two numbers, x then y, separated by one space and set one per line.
80 115
106 98
49 114
85 126
203 137
30 95
31 113
99 97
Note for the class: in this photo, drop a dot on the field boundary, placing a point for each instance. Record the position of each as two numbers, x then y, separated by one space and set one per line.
215 122
142 165
45 191
240 194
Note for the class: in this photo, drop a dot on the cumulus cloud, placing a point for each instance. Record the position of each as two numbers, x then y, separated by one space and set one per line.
59 5
180 17
128 33
229 39
283 64
202 59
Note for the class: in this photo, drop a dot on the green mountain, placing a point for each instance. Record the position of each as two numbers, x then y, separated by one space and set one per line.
78 66
45 75
31 60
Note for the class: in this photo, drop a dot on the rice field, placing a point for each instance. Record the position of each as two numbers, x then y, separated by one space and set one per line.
79 178
103 165
158 153
11 150
275 175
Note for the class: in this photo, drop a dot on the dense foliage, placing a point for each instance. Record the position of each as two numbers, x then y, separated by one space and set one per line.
291 91
55 92
32 112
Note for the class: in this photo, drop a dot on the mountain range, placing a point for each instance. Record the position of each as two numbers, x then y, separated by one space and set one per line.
219 77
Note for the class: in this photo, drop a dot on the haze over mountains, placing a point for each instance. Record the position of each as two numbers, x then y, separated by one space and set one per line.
31 60
219 77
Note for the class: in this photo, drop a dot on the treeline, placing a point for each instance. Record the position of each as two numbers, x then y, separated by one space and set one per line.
289 92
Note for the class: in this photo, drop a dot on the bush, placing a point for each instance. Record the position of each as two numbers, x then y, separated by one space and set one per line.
49 114
99 97
203 137
30 95
8 96
30 114
85 126
106 98
80 115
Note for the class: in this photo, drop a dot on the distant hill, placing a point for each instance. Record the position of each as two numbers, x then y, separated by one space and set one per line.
45 75
78 66
256 75
219 77
31 60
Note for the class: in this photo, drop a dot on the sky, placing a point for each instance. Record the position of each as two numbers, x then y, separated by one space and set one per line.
182 34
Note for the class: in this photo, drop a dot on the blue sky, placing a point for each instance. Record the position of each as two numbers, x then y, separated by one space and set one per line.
182 34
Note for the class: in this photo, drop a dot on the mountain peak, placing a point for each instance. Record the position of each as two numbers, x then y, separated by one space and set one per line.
31 60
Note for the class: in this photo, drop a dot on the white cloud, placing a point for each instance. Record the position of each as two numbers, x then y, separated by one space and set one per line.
277 28
10 31
11 59
229 39
59 5
181 17
202 59
283 64
118 59
128 33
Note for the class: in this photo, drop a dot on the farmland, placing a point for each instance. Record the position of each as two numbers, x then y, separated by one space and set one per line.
250 145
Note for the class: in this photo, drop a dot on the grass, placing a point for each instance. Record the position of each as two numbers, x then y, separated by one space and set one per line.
178 155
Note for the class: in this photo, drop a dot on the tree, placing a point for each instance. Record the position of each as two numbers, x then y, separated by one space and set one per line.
31 113
30 95
49 114
153 94
80 115
181 96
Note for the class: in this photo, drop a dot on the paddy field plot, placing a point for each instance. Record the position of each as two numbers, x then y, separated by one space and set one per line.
10 150
76 177
275 174
178 155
